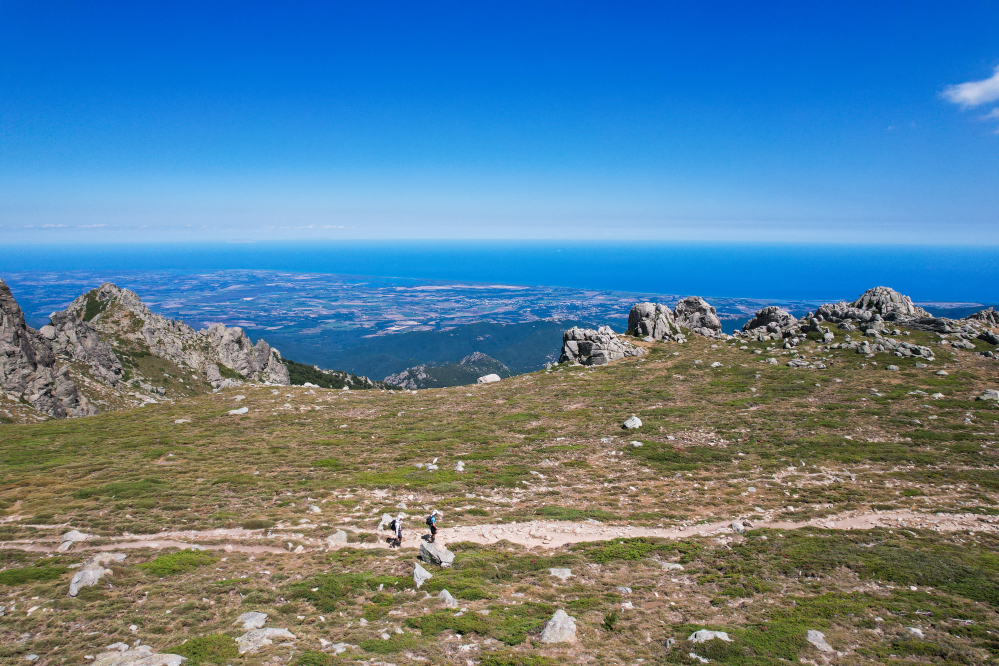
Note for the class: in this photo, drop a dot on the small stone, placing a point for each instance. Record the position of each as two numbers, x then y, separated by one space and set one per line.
738 527
337 539
941 373
716 364
704 635
488 379
818 639
915 631
251 620
31 657
627 605
560 629
989 394
421 575
448 600
636 444
563 574
255 639
632 423
315 509
624 590
893 368
459 466
237 412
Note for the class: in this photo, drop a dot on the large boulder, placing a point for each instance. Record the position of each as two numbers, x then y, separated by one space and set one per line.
695 314
255 639
772 318
93 571
595 347
140 655
560 629
432 553
654 320
888 303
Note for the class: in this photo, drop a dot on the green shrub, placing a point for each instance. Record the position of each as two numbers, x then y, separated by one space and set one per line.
257 524
178 562
211 649
312 658
510 659
122 489
28 574
394 644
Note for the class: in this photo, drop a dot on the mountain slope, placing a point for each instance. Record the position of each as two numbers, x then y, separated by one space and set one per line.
466 371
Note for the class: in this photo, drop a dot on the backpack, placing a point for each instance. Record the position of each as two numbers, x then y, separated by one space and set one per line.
393 526
430 520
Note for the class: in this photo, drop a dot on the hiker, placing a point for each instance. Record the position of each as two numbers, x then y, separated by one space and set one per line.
397 528
432 524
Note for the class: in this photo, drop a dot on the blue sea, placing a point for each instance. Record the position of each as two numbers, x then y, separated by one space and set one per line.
952 274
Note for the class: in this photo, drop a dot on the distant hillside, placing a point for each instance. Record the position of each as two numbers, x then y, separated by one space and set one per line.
520 347
466 371
301 373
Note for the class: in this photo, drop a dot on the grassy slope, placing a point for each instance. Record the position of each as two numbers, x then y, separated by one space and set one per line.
810 446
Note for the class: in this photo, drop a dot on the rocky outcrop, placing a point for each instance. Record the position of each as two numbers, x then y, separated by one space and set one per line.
654 320
696 314
561 628
989 317
874 307
772 319
29 367
120 313
595 347
76 340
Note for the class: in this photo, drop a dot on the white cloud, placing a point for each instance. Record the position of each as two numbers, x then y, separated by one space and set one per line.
974 93
991 115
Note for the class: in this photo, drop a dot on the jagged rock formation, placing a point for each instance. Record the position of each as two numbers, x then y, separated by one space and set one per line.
772 319
121 315
654 320
433 375
73 339
989 317
697 315
29 368
595 347
871 313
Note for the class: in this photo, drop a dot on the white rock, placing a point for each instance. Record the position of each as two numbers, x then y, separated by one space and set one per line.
915 631
563 574
738 527
71 537
421 575
560 629
636 444
315 509
705 635
818 639
672 566
93 571
255 639
251 620
241 410
433 553
488 379
624 590
989 394
459 466
716 364
627 605
140 655
632 423
448 600
337 539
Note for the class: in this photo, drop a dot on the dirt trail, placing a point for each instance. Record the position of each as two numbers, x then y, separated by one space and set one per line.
535 534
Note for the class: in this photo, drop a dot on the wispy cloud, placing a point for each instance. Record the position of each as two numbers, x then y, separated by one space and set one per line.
974 93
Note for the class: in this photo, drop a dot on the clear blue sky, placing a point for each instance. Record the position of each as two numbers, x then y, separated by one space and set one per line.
797 121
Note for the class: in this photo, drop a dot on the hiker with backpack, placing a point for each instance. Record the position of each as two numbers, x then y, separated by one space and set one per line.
397 528
432 524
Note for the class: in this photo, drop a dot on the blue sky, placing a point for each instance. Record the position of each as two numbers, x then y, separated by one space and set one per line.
770 121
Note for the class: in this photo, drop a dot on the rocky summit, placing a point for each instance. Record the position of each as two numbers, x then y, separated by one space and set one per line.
817 490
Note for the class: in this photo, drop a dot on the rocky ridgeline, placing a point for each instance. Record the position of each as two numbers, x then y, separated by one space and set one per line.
595 347
433 375
121 314
34 365
877 314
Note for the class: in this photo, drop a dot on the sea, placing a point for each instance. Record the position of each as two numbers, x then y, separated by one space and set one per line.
942 275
